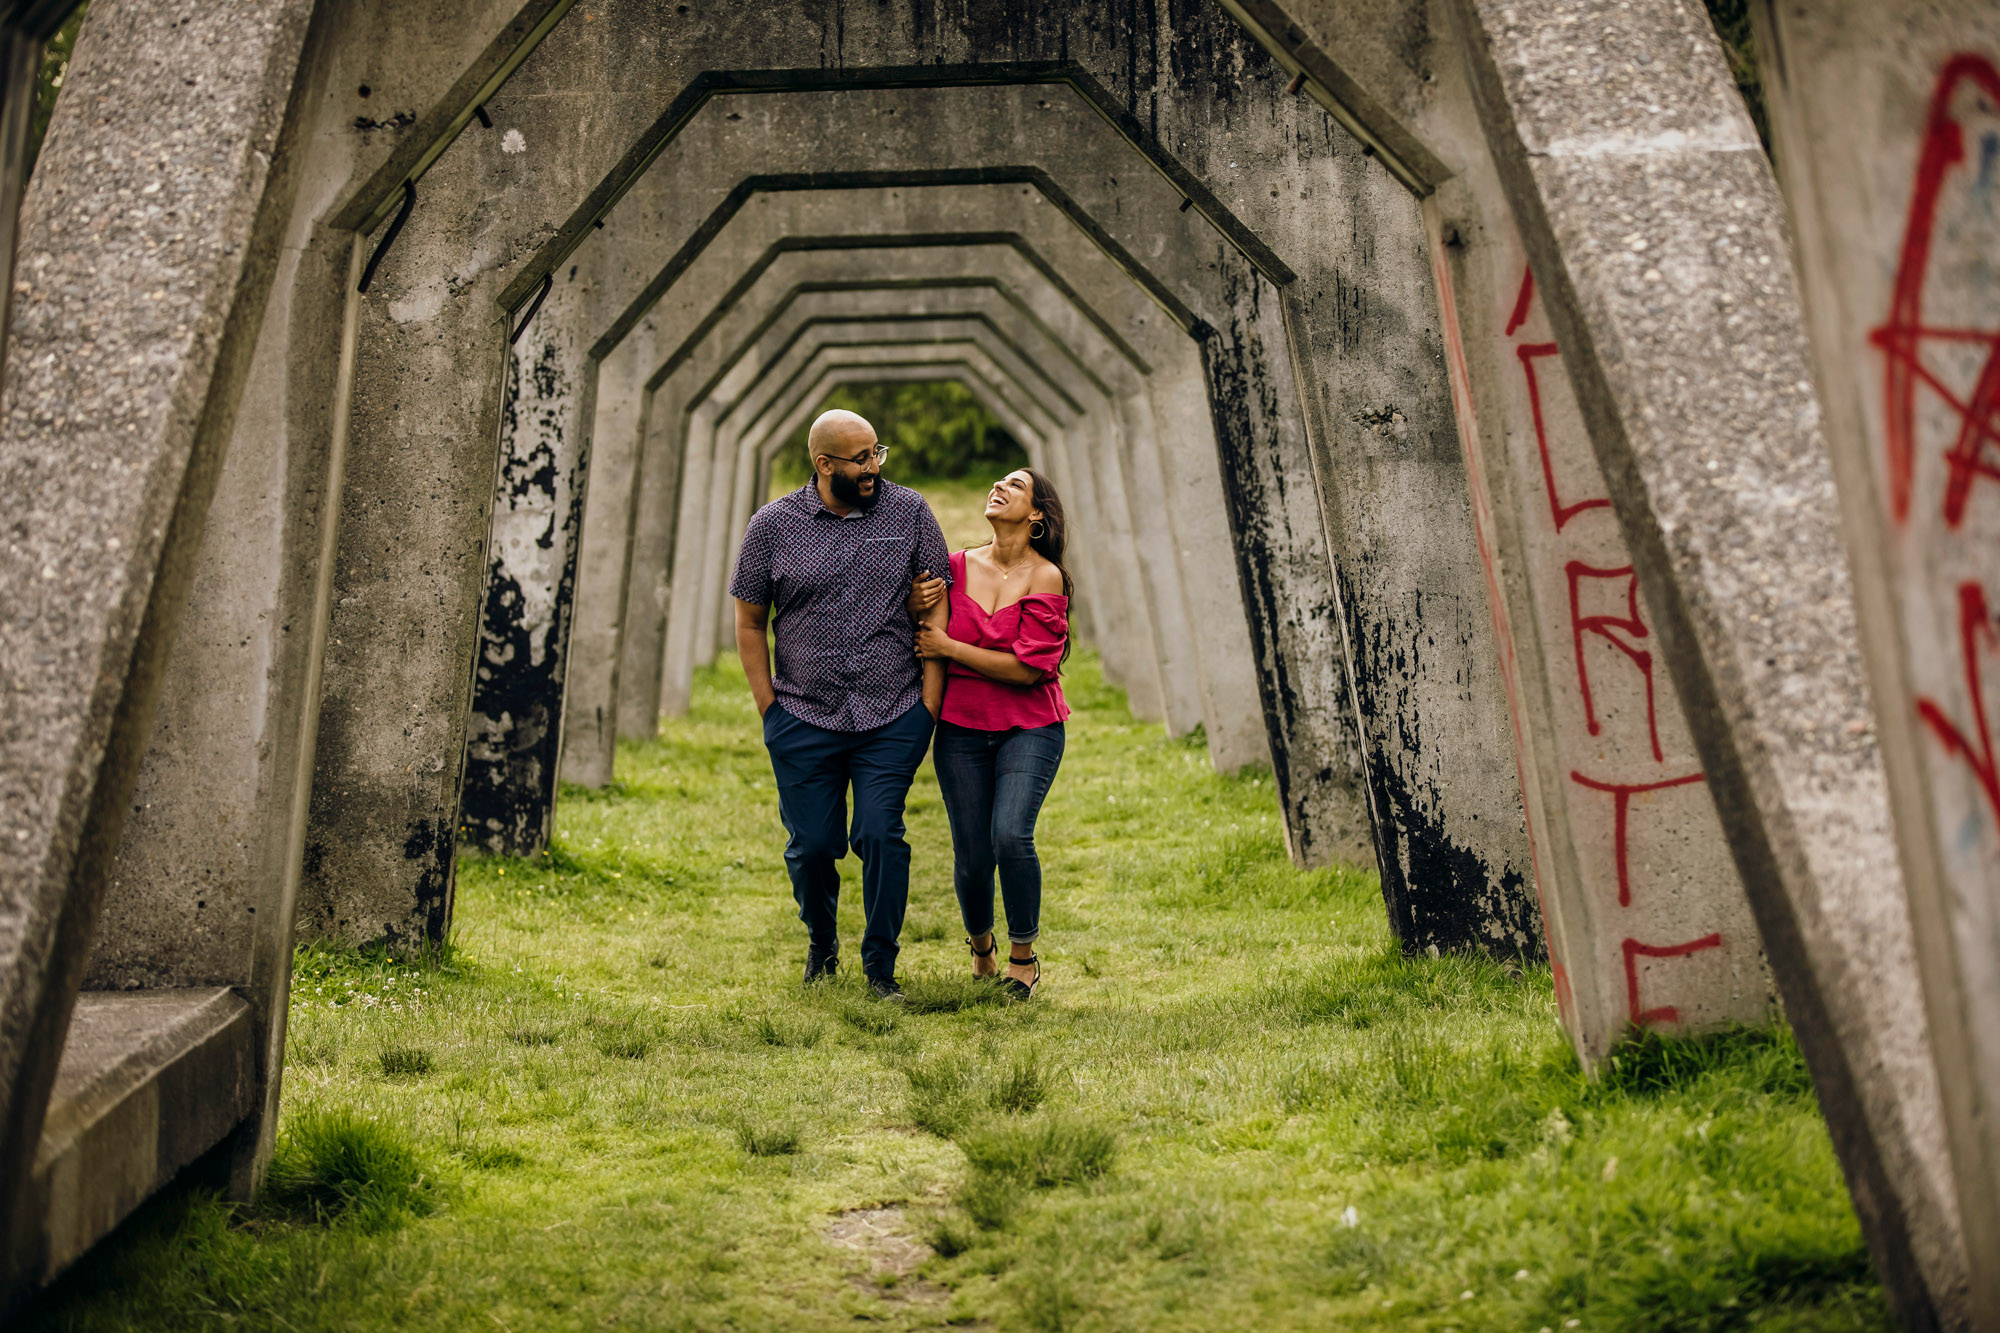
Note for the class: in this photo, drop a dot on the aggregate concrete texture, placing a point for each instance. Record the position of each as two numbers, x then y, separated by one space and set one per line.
1875 112
1636 189
1439 685
116 415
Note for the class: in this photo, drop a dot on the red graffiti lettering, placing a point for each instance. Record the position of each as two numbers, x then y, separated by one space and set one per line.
1621 805
1529 353
1903 335
1606 627
1634 951
1974 623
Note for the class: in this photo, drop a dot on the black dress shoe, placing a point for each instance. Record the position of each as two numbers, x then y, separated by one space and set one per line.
884 988
821 963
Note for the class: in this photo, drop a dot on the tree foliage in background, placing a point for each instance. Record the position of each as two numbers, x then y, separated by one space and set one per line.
49 81
1732 24
935 429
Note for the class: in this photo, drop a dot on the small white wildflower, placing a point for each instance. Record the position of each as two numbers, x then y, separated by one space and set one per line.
1465 1295
1520 1275
1350 1216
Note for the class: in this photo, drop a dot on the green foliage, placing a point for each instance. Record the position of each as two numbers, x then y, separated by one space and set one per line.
49 79
936 430
335 1166
1739 46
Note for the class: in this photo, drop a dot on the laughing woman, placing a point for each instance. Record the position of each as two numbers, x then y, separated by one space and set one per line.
1003 632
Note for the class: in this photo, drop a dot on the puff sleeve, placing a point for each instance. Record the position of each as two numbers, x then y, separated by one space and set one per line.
1044 630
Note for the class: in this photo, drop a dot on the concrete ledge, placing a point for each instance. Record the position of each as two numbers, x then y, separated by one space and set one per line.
149 1081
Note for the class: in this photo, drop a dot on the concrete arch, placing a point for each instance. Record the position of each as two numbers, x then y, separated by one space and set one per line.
926 246
1407 845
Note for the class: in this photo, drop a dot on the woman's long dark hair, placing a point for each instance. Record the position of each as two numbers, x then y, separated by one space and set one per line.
1055 536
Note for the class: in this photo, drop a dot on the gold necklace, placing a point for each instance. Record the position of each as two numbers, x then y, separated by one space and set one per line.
1009 571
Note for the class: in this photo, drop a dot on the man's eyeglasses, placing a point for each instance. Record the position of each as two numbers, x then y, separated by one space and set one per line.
880 454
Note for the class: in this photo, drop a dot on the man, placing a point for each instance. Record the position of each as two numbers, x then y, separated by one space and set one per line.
849 703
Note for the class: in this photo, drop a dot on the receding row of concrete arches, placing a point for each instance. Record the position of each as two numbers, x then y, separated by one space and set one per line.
1243 278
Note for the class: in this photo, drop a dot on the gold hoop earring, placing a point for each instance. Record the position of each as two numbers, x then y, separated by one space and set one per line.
1035 530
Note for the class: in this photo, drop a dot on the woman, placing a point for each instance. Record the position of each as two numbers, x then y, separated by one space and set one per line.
1002 632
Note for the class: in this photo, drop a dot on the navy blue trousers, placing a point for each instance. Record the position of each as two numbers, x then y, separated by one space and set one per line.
815 767
993 784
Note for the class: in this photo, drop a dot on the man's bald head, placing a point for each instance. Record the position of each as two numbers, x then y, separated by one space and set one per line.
839 433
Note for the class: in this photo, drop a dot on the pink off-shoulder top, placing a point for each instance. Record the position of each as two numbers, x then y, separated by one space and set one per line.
1034 629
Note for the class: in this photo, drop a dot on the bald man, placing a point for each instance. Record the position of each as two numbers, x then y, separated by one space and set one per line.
849 704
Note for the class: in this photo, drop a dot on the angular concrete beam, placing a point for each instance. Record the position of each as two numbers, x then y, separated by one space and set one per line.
604 83
1876 113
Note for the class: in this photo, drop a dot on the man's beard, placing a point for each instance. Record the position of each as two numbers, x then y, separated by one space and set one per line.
847 490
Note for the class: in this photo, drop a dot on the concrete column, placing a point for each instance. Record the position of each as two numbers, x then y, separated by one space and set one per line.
622 490
514 737
116 419
1883 122
409 573
1647 215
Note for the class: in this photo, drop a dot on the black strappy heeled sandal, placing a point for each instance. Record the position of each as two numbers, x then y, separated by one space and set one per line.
1023 990
992 946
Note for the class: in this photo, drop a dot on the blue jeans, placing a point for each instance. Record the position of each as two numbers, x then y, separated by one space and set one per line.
993 784
814 768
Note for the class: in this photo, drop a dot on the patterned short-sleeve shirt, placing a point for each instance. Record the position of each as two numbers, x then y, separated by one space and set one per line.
837 589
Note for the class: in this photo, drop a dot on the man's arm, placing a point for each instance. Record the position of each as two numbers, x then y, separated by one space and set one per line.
755 650
934 561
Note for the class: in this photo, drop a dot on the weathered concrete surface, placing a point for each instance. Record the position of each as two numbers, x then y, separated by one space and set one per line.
205 881
1722 486
1639 193
1646 918
514 738
416 515
1883 120
24 31
149 1082
116 414
1648 924
620 489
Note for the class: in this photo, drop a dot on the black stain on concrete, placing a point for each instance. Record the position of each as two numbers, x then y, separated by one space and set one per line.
511 745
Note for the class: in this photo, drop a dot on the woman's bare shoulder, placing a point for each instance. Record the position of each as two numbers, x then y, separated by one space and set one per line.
1045 579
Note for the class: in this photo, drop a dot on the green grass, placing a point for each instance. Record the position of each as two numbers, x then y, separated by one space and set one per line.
1232 1105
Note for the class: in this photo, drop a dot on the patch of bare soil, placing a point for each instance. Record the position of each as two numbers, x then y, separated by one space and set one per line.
881 1236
